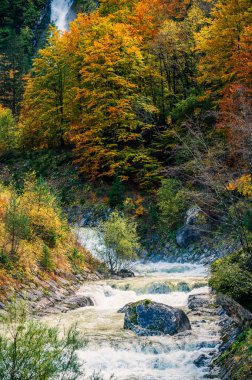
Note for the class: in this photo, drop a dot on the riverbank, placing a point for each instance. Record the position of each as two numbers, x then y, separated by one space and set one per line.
204 252
234 359
51 292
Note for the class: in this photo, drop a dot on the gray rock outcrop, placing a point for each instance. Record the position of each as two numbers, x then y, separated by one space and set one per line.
193 228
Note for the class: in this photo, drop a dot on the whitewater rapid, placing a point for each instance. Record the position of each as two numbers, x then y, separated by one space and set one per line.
112 350
60 13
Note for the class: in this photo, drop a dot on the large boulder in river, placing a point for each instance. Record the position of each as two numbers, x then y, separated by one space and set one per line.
147 318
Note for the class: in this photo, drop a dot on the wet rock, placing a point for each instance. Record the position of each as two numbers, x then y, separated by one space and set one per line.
193 215
194 226
198 301
241 316
158 288
212 376
76 302
201 361
124 273
183 287
147 318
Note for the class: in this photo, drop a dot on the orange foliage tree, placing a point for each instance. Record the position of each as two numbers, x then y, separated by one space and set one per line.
108 138
48 105
219 42
225 68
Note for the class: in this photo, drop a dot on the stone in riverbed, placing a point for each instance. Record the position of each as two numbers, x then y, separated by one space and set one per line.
201 361
159 288
75 302
198 301
147 318
124 273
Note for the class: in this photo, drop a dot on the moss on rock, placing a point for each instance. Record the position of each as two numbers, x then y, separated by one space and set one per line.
237 360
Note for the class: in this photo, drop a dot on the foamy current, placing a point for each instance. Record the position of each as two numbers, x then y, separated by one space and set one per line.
112 350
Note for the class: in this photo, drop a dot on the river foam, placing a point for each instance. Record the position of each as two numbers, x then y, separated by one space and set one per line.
112 350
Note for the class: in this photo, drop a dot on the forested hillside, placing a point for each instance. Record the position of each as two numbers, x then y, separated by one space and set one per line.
21 27
153 102
142 108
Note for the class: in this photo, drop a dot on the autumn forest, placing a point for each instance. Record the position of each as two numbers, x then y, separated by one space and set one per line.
134 120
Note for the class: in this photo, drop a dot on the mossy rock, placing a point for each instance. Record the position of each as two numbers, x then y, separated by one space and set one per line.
146 318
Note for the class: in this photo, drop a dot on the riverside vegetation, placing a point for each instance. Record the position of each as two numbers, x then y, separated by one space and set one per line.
138 113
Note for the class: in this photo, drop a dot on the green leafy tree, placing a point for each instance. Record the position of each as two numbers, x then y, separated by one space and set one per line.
231 276
121 241
8 131
172 203
47 106
18 42
17 225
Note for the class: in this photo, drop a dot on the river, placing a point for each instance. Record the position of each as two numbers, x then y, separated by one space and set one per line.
113 350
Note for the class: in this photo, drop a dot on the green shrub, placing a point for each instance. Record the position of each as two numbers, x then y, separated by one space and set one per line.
50 237
8 131
237 360
184 108
76 257
247 220
47 260
172 202
4 258
17 225
229 276
29 350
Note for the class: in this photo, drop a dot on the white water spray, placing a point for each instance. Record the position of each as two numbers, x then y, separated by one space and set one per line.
112 350
60 10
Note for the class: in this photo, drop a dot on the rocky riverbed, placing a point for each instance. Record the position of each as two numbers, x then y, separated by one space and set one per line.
93 302
113 350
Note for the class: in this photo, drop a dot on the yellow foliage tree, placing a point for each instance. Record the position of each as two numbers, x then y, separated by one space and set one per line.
243 185
35 239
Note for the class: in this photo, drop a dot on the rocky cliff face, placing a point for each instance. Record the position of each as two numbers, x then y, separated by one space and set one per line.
235 359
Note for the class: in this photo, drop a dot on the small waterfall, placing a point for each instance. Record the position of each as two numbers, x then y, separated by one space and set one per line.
60 10
91 240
